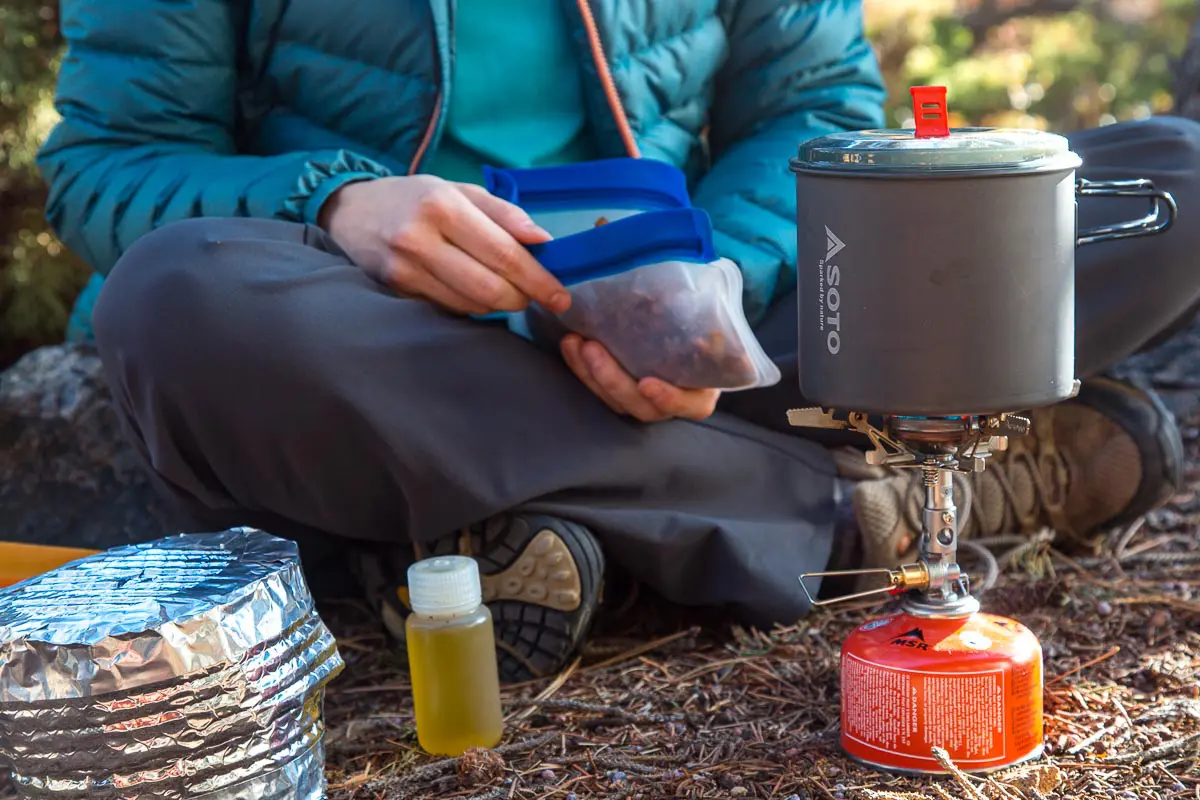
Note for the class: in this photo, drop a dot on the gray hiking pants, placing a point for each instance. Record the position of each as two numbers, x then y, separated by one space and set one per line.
265 380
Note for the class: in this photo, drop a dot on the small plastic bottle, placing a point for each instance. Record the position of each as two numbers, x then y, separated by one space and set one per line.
452 658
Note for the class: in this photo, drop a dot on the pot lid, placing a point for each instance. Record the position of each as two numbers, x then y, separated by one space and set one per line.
935 146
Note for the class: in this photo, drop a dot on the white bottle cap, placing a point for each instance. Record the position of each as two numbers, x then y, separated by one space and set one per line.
444 586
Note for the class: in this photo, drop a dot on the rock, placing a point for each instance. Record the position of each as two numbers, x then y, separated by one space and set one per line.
67 475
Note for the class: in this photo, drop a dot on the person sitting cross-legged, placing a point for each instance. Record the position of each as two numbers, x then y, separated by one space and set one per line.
281 202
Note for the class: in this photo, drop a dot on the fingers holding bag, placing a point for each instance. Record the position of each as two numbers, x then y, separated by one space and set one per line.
451 244
648 400
644 280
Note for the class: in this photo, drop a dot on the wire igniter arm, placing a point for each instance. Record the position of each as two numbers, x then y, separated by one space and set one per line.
899 580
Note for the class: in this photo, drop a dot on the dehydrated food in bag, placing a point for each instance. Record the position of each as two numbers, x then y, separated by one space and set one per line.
653 292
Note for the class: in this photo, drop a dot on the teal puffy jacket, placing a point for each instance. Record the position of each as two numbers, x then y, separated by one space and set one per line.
184 108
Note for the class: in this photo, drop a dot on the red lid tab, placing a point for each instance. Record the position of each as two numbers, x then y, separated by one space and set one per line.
929 111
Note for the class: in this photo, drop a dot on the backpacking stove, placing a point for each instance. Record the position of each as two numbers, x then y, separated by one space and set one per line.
936 291
939 672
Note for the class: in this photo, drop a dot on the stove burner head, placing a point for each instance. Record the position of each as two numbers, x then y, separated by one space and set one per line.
958 443
937 446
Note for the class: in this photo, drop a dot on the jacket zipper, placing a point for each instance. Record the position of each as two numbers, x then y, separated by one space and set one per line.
606 80
425 141
438 100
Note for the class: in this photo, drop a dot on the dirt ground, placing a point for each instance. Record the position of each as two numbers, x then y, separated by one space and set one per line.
668 704
689 708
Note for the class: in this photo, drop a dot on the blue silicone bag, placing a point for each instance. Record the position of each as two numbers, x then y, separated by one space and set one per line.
569 199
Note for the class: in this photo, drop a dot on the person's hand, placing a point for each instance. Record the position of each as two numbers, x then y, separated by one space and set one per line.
649 400
453 244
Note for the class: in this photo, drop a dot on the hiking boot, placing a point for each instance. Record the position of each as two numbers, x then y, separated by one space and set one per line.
1102 459
541 577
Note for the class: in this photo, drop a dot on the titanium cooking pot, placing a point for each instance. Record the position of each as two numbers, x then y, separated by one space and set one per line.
936 267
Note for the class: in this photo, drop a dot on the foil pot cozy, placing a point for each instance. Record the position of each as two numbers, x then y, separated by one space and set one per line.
191 667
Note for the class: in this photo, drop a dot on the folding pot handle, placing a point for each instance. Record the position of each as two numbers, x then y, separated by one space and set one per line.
1161 217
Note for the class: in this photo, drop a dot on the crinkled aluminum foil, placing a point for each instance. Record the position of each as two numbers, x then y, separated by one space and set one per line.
191 667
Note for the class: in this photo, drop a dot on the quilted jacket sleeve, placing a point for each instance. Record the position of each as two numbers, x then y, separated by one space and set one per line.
796 69
146 93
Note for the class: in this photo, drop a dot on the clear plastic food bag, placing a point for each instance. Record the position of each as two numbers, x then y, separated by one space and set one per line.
651 289
573 198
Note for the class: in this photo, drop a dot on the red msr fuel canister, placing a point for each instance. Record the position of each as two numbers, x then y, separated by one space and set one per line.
970 685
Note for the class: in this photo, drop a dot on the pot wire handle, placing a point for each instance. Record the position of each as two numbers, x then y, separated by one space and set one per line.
1153 223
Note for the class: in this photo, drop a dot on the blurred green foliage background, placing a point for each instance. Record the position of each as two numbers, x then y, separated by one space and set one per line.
1050 64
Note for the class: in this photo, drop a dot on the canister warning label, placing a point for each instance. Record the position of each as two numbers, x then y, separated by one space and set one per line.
907 712
879 705
1024 724
965 714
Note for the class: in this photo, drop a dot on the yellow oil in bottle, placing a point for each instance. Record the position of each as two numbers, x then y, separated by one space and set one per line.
452 658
